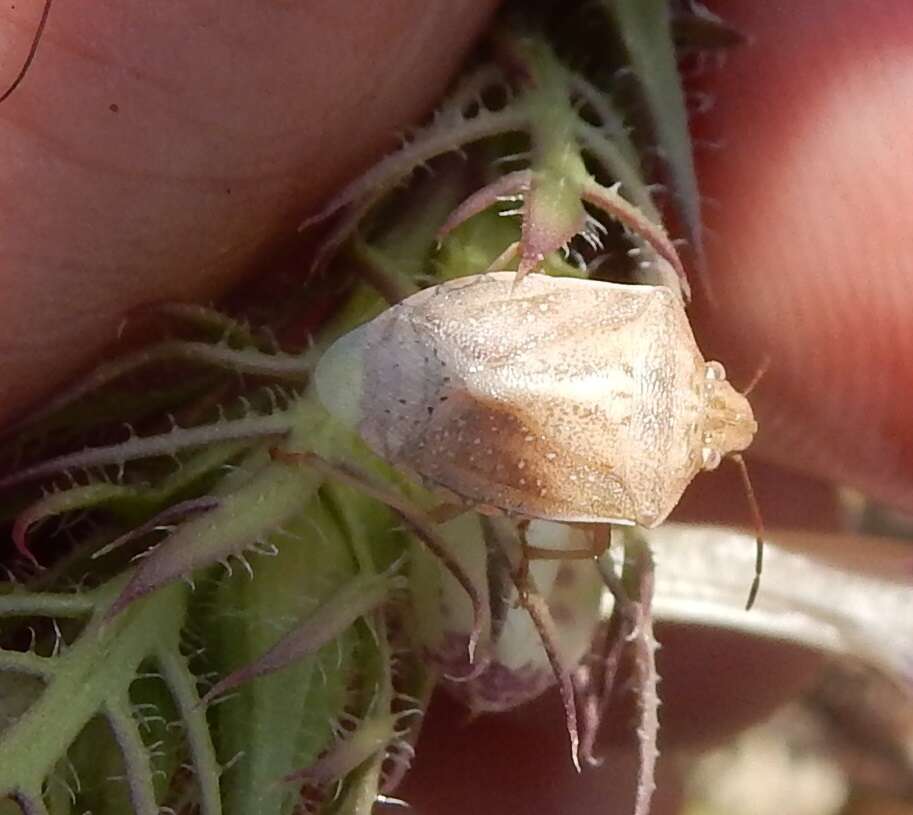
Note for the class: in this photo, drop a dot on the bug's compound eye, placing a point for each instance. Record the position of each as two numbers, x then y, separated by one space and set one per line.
710 458
714 372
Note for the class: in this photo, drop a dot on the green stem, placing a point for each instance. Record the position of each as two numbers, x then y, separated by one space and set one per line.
46 605
182 684
136 756
95 669
26 663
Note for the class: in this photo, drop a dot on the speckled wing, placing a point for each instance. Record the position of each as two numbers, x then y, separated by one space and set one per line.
527 397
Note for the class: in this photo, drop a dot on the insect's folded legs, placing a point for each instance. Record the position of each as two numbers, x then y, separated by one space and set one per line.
599 537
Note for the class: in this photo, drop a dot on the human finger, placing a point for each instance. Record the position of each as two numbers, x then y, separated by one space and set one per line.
156 151
808 223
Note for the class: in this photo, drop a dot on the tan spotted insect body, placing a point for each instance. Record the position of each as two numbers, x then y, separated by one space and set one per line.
555 398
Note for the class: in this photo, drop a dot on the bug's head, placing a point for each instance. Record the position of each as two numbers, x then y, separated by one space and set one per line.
729 424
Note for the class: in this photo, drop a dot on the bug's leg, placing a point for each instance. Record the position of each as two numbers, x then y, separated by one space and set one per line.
607 650
600 538
537 609
526 552
420 525
511 544
445 512
541 553
609 645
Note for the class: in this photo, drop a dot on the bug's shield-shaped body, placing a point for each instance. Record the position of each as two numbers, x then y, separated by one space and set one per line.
555 398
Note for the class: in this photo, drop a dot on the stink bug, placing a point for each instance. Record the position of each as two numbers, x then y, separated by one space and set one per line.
554 398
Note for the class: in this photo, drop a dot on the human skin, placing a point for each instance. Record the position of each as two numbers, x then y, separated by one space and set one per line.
159 150
104 211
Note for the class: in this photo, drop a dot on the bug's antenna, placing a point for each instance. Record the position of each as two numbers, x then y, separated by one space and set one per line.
763 368
759 530
31 54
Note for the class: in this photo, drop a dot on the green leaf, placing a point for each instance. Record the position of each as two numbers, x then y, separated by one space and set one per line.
647 33
281 722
